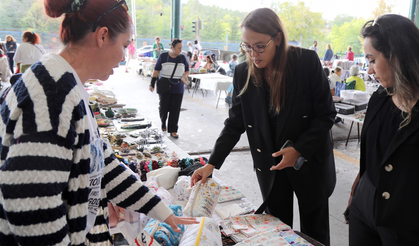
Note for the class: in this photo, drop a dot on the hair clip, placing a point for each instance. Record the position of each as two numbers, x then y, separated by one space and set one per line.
32 32
375 21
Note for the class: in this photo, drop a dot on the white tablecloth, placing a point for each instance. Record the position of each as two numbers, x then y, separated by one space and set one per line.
213 82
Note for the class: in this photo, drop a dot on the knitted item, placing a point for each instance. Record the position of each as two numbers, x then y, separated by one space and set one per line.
45 163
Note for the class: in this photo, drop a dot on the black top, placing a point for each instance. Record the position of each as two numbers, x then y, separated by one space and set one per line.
379 137
11 47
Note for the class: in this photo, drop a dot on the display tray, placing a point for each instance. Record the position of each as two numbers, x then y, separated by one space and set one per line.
344 108
359 105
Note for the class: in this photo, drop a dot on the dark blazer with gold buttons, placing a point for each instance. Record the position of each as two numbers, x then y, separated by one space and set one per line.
306 119
397 197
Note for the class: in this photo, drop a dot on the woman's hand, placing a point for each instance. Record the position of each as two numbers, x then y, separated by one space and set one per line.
202 174
173 221
289 157
151 88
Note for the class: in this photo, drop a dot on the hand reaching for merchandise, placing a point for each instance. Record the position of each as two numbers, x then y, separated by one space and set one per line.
202 174
289 157
173 221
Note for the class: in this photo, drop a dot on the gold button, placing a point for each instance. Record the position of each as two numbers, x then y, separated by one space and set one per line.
305 116
250 126
259 169
259 150
386 195
388 168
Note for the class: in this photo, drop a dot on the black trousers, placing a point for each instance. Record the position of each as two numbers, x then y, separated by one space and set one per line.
10 57
362 227
170 104
314 223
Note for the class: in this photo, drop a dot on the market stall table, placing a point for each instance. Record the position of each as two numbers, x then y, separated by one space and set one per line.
212 82
352 118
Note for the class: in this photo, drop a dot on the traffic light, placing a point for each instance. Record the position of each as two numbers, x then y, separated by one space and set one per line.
181 27
194 26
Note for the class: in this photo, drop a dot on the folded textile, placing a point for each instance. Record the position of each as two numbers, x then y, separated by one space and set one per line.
234 209
206 233
228 193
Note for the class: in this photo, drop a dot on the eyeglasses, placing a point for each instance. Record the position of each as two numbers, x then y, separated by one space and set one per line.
119 3
257 48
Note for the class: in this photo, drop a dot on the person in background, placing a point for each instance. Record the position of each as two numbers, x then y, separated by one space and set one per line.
359 83
4 67
57 173
335 76
331 85
170 103
158 48
383 201
3 47
242 56
349 54
29 51
328 55
11 47
232 65
131 54
197 46
194 60
210 65
190 47
189 56
268 106
314 46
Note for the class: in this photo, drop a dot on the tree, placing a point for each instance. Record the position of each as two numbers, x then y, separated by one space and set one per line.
347 35
302 25
341 19
383 7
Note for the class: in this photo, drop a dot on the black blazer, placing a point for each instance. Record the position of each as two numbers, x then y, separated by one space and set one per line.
306 119
399 173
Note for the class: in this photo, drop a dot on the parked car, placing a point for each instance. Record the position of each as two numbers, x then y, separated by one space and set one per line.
145 51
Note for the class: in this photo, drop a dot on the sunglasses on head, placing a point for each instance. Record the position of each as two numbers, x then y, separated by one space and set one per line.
119 3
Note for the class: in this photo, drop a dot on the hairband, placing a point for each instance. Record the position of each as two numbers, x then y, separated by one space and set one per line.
75 6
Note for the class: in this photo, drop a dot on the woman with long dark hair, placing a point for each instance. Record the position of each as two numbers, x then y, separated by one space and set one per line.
282 101
384 199
171 102
57 173
29 52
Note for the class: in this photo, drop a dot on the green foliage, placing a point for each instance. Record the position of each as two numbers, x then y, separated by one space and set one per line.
302 25
347 35
341 19
383 7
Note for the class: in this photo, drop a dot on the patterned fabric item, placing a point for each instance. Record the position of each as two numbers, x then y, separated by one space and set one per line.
294 239
206 233
228 193
182 188
203 199
268 238
264 222
44 176
162 232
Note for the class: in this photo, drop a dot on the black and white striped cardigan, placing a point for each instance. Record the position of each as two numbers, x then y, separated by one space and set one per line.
45 157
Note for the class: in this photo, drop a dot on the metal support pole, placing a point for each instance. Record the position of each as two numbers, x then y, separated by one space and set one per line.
134 19
176 18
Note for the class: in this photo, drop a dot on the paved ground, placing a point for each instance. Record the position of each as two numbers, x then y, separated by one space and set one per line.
200 124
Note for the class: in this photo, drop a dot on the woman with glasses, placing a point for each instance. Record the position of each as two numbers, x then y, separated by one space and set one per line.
282 101
383 201
57 174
